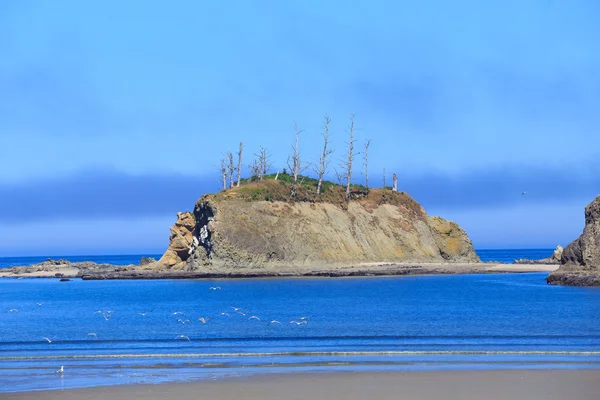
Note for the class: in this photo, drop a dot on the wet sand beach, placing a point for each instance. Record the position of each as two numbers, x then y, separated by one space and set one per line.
450 385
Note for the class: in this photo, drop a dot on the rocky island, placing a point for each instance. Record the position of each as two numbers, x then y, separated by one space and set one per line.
581 258
258 229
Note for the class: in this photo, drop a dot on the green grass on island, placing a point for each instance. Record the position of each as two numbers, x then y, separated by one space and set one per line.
280 189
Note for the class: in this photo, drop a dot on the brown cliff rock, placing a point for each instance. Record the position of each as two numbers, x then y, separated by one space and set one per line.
581 258
180 241
234 232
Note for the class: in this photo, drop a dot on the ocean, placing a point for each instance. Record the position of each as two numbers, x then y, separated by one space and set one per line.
123 332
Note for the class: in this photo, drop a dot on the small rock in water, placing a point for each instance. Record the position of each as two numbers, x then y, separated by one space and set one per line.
64 280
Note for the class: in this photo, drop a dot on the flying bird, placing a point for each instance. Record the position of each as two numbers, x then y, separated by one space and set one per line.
93 334
60 371
254 317
39 304
183 321
214 288
523 194
46 339
204 320
13 310
274 322
177 313
182 337
143 314
224 314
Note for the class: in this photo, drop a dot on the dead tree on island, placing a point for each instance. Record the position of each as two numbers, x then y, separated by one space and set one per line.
254 168
223 172
384 178
395 187
239 167
294 163
231 168
350 157
323 162
264 163
366 159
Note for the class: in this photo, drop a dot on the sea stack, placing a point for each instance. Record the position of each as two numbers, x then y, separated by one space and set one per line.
581 258
258 226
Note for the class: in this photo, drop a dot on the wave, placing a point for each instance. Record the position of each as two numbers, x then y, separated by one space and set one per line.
309 338
305 354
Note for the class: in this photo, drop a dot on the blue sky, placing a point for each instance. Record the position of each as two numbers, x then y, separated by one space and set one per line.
113 114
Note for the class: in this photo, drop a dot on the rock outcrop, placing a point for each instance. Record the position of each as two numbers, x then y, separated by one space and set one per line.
554 259
180 241
229 234
581 258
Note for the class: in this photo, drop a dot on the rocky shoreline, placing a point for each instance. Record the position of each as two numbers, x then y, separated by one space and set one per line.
92 271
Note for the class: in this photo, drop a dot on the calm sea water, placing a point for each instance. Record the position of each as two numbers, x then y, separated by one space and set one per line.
114 332
505 256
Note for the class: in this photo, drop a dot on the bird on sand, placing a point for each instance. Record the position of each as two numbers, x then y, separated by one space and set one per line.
60 371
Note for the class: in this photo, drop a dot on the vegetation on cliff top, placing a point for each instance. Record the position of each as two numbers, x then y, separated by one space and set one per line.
277 187
300 186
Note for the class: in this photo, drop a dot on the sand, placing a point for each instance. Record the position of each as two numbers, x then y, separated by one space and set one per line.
463 385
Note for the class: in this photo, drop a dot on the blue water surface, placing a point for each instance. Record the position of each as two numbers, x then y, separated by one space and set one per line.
127 259
149 331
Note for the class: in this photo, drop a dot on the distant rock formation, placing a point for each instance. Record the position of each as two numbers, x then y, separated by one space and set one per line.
227 233
555 258
581 258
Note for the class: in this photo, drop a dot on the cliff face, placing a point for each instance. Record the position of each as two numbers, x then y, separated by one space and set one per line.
234 234
581 258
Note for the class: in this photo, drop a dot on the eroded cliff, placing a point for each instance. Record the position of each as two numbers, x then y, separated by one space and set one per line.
581 258
236 232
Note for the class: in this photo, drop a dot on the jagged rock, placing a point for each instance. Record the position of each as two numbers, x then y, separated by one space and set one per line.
180 241
581 258
557 255
228 234
146 261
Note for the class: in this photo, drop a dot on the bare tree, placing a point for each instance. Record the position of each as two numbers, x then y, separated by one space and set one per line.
294 162
366 159
350 157
230 168
384 178
264 162
239 167
323 162
395 187
223 172
254 168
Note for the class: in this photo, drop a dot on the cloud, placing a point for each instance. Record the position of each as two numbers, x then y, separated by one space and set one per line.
101 194
110 194
501 187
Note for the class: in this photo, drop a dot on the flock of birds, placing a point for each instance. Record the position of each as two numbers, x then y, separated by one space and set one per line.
181 318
